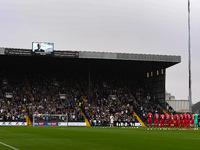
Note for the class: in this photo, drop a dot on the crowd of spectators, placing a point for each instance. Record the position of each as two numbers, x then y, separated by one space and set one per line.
38 93
47 92
13 94
108 96
144 101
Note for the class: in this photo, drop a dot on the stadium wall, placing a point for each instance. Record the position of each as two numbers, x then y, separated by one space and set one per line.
179 105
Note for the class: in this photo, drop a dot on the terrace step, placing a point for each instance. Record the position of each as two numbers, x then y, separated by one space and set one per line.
82 108
138 118
28 120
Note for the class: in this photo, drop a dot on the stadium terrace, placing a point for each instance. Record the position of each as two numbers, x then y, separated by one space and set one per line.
76 88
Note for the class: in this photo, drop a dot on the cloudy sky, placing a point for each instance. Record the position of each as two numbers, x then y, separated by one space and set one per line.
129 26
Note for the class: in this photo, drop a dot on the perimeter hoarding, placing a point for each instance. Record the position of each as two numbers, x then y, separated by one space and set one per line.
46 124
13 123
59 124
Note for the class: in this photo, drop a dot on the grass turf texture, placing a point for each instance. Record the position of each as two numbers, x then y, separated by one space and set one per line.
81 138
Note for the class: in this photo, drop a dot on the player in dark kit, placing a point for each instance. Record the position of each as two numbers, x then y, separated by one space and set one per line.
149 122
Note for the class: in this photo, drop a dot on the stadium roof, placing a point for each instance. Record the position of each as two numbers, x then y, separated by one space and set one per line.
129 56
122 58
118 56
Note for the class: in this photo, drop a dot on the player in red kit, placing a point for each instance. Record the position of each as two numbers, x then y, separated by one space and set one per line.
167 121
177 121
192 122
188 121
181 122
172 121
156 122
185 120
149 122
162 121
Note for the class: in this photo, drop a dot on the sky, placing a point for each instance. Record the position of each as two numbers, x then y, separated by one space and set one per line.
125 26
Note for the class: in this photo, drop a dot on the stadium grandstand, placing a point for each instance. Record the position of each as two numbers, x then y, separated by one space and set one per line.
87 87
196 107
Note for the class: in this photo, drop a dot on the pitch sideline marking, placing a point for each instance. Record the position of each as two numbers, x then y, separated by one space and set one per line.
8 146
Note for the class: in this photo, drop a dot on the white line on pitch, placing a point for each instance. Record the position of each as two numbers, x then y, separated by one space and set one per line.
8 146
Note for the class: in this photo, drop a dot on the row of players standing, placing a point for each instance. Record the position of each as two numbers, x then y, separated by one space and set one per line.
185 121
118 121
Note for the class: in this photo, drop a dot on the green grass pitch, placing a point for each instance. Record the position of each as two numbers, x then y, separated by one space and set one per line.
85 138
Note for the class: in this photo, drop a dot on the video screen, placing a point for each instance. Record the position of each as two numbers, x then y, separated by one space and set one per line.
42 48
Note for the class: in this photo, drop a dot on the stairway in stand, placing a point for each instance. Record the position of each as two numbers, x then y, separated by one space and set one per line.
82 108
28 120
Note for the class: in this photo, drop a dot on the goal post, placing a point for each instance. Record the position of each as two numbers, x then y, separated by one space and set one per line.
50 119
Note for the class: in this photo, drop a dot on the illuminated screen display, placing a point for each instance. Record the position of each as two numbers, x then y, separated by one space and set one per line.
42 48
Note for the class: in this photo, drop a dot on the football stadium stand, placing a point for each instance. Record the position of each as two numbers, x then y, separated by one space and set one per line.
87 86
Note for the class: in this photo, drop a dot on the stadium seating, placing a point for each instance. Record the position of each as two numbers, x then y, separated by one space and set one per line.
43 94
107 97
61 92
13 96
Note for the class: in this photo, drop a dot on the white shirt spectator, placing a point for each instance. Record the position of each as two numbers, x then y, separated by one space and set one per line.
111 119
